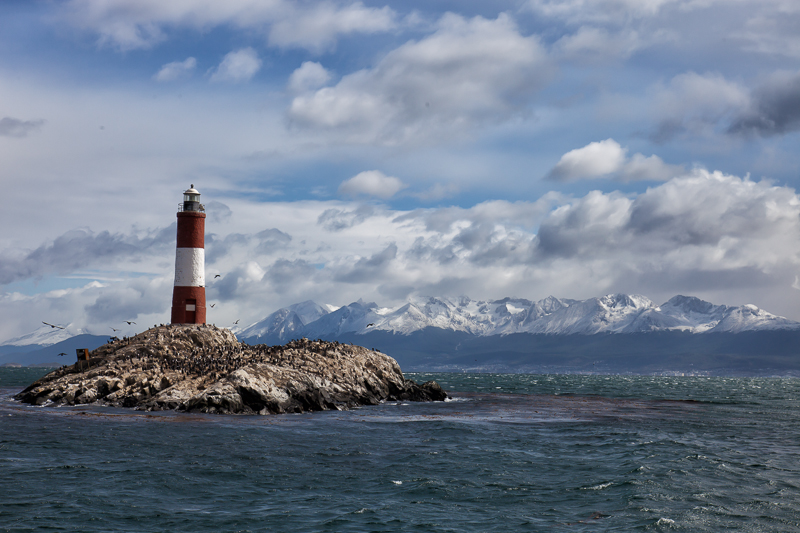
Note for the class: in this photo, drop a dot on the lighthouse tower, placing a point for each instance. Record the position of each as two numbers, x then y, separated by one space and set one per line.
189 293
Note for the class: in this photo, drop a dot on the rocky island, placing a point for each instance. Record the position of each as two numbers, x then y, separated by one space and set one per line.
202 368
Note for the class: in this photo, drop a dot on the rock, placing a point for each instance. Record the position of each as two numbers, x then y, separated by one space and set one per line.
206 369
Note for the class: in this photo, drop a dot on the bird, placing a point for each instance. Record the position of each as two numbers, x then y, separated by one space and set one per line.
62 353
212 305
370 324
113 329
129 322
237 321
218 275
51 325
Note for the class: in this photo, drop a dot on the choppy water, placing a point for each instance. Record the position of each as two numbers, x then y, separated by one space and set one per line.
509 453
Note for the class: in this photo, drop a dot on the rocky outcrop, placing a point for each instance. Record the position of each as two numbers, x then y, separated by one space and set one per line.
206 369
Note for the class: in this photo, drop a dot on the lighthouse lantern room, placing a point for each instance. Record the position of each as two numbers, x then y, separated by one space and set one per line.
189 292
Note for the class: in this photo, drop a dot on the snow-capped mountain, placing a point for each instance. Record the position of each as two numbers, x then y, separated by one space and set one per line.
285 322
615 313
45 336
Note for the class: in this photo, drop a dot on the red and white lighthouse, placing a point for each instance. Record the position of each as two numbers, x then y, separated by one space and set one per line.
189 293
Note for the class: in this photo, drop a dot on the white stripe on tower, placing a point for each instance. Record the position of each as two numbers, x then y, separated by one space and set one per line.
190 270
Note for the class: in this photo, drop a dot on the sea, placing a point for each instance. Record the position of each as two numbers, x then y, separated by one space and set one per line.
506 453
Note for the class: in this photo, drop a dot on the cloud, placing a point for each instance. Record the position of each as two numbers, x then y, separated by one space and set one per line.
116 303
369 269
237 66
693 233
339 219
12 127
771 29
775 108
590 44
372 183
80 248
696 104
466 73
607 158
141 24
176 70
601 11
217 212
310 76
319 28
703 219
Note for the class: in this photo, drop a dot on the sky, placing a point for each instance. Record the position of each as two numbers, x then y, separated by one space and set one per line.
385 151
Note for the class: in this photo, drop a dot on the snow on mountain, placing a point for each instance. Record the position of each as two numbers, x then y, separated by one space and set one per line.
749 317
614 313
45 336
286 321
350 318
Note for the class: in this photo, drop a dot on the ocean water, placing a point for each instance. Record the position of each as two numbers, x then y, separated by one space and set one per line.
507 453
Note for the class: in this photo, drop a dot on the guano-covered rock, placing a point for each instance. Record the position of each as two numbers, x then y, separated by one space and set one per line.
206 369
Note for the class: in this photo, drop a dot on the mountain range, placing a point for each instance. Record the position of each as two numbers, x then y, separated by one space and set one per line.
614 313
616 333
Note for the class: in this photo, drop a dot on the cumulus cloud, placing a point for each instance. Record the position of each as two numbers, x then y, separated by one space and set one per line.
467 72
12 127
237 66
176 70
775 107
608 159
310 76
372 183
137 24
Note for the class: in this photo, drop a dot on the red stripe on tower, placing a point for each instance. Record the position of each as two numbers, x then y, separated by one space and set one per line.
189 293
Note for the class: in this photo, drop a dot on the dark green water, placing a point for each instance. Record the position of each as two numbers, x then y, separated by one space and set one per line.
509 453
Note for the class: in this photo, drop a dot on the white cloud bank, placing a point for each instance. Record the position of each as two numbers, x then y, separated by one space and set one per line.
717 236
607 158
467 72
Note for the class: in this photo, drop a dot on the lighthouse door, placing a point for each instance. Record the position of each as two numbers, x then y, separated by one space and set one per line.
191 311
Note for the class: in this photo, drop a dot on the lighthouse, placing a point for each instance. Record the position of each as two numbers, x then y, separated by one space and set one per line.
189 293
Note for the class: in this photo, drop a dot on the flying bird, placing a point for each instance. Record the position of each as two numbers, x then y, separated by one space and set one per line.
129 322
218 275
62 353
51 325
114 329
237 321
370 324
212 305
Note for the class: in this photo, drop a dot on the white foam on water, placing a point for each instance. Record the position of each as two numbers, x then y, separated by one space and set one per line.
601 486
